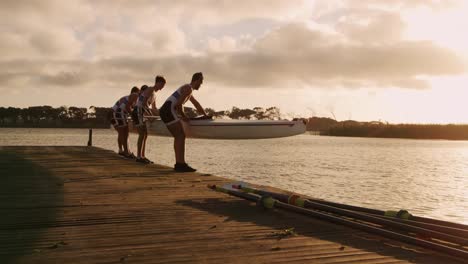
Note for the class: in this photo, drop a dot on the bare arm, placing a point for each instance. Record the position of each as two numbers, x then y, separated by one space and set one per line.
197 106
180 110
131 101
148 93
185 91
154 109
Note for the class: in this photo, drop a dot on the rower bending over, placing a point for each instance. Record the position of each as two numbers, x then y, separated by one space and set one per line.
120 112
170 112
145 99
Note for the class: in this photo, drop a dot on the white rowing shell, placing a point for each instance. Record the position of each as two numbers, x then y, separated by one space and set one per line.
231 129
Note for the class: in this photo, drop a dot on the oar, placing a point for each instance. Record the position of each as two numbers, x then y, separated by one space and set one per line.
394 214
270 202
153 117
450 234
375 211
296 200
440 228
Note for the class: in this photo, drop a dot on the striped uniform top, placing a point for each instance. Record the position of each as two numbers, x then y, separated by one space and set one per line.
176 95
121 104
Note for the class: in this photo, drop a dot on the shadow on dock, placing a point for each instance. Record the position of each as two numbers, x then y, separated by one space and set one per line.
29 198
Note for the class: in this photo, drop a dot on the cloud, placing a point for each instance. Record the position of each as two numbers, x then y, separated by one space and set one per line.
122 43
295 52
116 44
63 79
371 26
322 6
283 58
41 29
203 12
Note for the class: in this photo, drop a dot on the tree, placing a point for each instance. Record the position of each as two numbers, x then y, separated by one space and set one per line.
237 113
259 113
37 113
190 112
210 111
49 112
221 113
62 112
13 114
273 113
320 123
103 114
77 113
3 115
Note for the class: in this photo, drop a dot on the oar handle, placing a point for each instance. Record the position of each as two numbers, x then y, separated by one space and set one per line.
152 117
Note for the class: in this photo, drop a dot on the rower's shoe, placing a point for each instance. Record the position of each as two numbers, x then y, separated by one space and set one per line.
122 154
183 167
131 156
147 160
141 160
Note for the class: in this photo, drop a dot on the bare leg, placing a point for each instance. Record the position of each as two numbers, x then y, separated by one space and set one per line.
143 147
125 139
140 141
179 147
119 138
177 131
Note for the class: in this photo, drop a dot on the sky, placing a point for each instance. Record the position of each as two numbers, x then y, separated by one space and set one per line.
397 61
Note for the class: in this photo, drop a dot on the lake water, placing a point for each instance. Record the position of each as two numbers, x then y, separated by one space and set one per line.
427 177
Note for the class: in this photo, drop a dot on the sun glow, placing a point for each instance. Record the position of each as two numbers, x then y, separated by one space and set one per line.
444 27
444 102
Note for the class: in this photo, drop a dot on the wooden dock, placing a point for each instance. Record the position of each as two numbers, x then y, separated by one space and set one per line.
88 205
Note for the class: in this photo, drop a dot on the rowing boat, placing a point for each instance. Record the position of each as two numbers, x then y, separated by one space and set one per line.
231 129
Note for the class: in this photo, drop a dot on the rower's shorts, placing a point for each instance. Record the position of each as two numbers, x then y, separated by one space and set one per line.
119 118
138 117
168 113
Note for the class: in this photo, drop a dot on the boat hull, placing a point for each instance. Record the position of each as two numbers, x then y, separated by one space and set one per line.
231 129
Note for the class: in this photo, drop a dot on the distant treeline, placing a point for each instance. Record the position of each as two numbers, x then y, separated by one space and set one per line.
257 113
50 117
99 117
351 128
415 131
